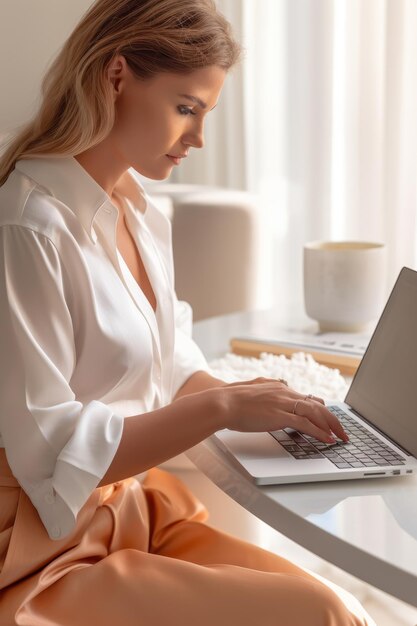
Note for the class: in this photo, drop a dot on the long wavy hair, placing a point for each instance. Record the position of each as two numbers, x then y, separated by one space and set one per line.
77 106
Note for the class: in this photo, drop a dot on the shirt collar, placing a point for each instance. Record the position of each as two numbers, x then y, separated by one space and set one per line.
65 179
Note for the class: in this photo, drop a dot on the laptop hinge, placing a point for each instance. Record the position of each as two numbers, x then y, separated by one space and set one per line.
381 432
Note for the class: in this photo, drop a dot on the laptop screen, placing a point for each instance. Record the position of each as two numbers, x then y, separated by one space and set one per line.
384 389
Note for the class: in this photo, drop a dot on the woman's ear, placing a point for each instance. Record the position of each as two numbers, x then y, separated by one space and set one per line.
116 73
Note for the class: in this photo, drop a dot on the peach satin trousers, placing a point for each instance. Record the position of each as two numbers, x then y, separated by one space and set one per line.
141 555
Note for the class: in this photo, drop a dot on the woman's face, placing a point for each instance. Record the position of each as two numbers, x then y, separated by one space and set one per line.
158 120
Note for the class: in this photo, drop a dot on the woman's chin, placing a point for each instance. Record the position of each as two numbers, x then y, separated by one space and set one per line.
160 173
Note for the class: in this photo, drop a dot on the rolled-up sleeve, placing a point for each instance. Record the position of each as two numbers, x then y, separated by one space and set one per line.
188 358
58 448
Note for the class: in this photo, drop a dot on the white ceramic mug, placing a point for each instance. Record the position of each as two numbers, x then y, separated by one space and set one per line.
344 283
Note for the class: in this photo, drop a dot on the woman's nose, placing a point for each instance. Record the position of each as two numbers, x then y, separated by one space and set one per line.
194 138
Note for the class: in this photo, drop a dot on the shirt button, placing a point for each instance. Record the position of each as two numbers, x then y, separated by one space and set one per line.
49 498
55 532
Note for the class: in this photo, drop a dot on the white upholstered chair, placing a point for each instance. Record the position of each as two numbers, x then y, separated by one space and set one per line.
216 240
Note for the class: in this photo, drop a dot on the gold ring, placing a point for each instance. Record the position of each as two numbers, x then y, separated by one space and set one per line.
295 406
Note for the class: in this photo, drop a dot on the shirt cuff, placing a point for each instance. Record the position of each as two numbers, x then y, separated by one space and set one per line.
79 469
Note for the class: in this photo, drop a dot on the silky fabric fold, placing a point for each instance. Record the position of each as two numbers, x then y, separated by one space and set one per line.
142 554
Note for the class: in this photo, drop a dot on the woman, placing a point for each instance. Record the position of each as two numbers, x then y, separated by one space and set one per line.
100 380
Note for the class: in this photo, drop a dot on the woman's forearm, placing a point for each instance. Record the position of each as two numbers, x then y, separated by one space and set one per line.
152 438
203 406
199 381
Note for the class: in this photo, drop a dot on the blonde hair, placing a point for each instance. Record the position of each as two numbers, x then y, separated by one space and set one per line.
154 36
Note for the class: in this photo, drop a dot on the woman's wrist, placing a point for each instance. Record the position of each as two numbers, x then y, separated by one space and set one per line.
208 405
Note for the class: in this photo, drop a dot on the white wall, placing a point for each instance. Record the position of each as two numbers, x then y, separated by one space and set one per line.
31 32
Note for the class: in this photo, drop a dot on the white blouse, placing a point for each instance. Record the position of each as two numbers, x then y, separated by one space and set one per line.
81 347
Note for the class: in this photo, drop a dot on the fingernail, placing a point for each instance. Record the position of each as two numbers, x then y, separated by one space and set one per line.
331 440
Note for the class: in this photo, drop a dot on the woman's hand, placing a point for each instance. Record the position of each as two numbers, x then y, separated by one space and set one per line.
265 404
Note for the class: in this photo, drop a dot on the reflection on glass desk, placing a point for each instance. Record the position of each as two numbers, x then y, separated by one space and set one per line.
366 527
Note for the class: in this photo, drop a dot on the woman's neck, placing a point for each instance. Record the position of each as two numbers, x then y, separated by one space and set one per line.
103 163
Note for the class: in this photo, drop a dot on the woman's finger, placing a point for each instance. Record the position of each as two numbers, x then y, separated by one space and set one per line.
316 399
336 426
305 425
333 422
320 416
313 398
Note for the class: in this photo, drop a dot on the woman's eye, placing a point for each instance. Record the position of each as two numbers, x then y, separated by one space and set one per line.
184 110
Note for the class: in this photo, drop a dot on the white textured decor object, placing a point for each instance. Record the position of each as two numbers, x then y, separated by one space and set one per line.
301 372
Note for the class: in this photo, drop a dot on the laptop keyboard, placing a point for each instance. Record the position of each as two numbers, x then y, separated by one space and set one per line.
362 450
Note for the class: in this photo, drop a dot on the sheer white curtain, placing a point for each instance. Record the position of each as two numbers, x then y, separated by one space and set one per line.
321 121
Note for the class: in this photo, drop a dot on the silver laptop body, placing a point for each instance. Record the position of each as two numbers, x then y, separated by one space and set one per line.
379 412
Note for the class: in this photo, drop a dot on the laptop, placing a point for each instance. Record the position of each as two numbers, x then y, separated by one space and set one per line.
379 413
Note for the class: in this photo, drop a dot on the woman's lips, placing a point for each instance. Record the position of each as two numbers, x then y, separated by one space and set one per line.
175 159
